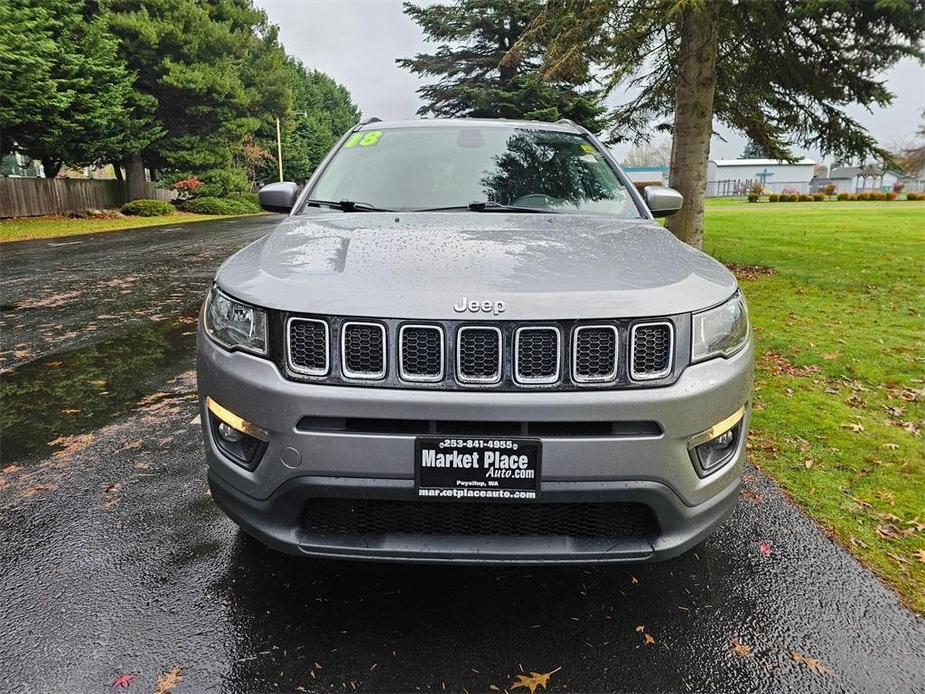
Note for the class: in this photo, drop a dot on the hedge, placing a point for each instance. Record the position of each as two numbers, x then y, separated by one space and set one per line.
146 207
211 205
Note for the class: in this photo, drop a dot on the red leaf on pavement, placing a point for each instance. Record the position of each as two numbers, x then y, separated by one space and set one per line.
765 548
123 681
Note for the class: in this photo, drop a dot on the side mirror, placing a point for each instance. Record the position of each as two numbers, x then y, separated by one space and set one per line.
278 197
662 201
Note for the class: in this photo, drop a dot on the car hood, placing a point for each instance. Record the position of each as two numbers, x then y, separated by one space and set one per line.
419 265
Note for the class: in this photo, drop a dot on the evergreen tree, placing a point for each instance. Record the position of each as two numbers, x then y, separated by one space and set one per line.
63 88
752 151
322 111
208 76
780 71
473 37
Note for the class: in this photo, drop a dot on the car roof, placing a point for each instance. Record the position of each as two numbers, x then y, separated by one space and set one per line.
561 126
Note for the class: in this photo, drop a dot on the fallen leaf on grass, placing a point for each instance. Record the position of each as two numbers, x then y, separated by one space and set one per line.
891 446
123 681
920 555
899 559
534 680
811 664
888 532
888 497
739 648
854 426
167 681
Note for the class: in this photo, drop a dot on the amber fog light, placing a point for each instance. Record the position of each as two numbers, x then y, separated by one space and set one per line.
713 448
240 440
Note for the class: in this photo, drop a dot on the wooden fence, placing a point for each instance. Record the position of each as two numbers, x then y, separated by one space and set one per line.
27 197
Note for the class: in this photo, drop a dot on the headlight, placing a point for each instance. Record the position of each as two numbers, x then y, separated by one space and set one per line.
721 331
235 325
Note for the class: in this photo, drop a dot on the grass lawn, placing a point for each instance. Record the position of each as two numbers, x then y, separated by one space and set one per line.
22 228
840 380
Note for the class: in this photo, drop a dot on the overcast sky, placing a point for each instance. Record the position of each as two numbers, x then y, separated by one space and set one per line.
357 42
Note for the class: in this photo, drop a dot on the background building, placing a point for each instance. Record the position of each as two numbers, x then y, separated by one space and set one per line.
735 176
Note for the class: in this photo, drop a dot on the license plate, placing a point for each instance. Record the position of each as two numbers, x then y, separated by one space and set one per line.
477 468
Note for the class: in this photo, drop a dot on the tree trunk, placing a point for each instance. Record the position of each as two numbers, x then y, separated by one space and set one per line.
117 171
693 117
135 176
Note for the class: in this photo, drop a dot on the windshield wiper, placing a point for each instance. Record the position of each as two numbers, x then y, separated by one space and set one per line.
491 206
348 205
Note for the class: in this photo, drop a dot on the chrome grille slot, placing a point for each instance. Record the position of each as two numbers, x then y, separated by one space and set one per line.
363 350
536 355
307 346
421 353
652 347
594 358
478 355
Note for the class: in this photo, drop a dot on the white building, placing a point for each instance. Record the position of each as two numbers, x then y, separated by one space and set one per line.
734 176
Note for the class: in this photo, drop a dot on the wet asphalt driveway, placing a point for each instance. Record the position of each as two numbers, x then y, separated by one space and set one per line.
114 561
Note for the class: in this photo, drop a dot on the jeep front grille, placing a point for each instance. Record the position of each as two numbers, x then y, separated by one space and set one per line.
478 355
307 346
363 350
536 355
500 355
421 353
595 354
651 355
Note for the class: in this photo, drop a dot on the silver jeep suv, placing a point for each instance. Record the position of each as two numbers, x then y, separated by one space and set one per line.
470 341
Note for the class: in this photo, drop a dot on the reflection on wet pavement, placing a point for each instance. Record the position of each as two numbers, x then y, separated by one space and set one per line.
82 389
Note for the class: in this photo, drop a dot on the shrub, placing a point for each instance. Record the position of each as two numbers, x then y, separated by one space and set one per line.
756 188
251 198
913 196
845 196
753 197
806 198
146 207
891 195
186 187
862 196
221 183
818 197
790 191
213 205
773 197
829 189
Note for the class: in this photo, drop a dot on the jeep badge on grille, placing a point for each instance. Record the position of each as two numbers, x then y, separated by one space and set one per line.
475 306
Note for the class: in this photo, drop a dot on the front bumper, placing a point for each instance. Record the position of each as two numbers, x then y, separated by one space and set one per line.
654 470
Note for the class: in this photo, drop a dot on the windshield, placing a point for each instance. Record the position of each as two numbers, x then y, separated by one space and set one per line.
426 168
